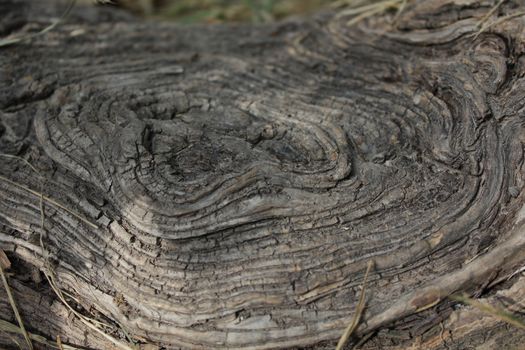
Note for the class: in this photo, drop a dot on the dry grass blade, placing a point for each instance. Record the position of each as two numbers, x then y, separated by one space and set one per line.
6 42
369 9
363 16
363 340
521 269
15 309
40 194
353 3
490 13
8 327
4 261
498 21
48 200
85 320
380 6
400 9
13 339
357 315
11 156
59 343
359 9
90 323
499 313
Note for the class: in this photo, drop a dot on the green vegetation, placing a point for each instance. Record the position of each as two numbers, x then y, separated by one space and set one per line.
216 11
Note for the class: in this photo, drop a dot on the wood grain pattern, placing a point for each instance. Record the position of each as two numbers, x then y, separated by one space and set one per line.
241 177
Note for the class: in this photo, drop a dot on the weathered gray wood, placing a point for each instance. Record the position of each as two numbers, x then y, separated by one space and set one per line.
241 177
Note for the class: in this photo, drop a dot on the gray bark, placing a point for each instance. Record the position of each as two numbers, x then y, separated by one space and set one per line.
226 186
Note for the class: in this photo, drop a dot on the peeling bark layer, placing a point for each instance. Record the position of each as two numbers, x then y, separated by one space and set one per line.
235 180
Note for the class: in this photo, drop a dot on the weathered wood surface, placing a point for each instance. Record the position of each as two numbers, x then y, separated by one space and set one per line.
241 177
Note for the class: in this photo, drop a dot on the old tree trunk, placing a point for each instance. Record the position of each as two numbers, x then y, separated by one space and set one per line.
226 186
